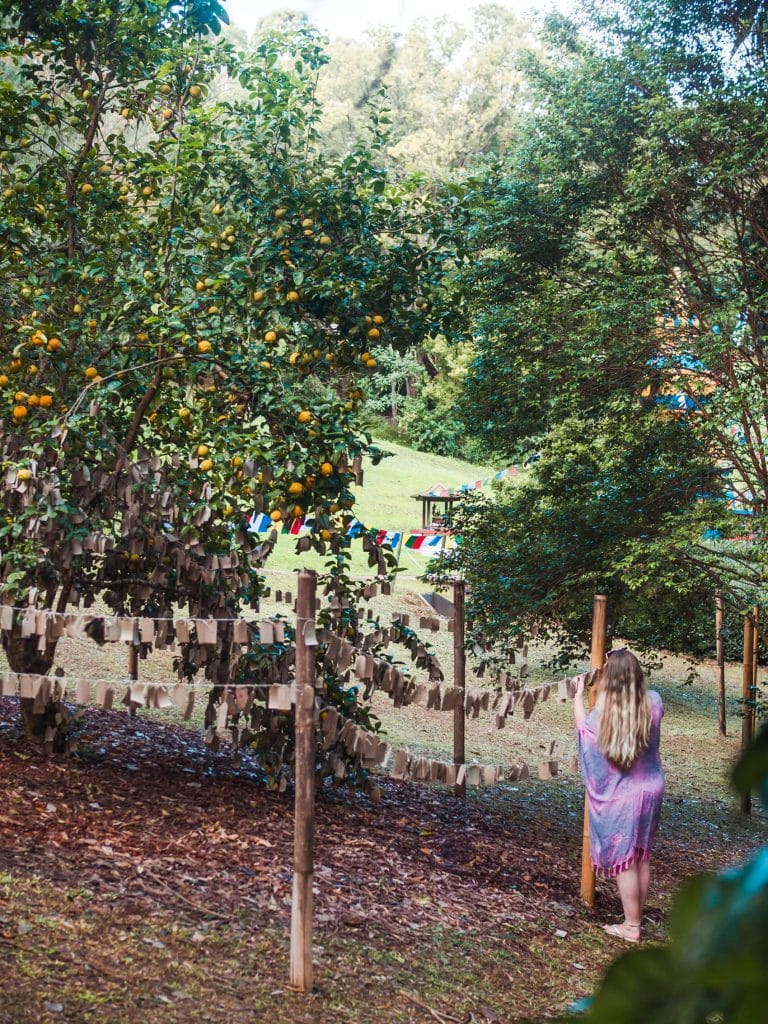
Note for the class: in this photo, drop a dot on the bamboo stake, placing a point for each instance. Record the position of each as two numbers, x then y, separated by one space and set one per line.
753 694
304 804
720 648
133 671
596 661
746 696
459 679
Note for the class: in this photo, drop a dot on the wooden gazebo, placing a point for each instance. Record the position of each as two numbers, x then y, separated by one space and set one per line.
438 500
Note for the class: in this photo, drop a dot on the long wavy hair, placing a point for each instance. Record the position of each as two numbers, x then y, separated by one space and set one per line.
624 715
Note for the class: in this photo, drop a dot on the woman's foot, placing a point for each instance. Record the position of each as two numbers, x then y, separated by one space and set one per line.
626 931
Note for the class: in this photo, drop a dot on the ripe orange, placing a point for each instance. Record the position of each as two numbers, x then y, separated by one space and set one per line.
326 469
378 319
167 113
53 345
91 372
195 91
258 295
292 296
202 450
19 412
270 337
304 416
374 333
297 512
237 460
46 401
24 474
3 380
206 465
21 396
203 347
276 515
34 401
295 489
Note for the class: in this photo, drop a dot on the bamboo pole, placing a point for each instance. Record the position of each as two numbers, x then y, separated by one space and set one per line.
304 804
133 671
720 648
459 679
746 696
753 693
597 660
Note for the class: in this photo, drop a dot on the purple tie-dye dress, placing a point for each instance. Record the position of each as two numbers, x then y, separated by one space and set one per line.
623 806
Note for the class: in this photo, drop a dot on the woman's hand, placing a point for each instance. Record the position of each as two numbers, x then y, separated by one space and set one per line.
579 713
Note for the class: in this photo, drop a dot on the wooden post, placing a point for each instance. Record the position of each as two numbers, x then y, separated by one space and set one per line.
596 661
720 648
133 672
753 694
459 679
746 696
304 805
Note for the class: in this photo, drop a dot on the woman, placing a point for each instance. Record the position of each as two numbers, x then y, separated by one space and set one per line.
620 763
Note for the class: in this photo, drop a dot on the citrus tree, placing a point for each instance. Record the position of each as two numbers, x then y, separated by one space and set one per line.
190 291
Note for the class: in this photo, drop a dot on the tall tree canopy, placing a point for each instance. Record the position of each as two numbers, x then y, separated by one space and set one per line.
621 282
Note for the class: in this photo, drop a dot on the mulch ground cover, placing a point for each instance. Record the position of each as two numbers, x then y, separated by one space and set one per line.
150 879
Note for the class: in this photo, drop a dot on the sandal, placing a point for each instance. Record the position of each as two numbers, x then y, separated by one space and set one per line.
618 931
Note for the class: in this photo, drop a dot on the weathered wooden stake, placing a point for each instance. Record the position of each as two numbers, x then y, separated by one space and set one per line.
720 648
459 679
304 806
133 671
596 661
753 694
746 697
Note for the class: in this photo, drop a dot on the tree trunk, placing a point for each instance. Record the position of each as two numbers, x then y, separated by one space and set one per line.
23 656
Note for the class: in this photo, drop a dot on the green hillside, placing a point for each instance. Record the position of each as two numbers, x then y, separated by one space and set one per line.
385 500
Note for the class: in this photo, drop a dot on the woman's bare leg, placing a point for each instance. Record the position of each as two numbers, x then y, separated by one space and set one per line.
628 884
644 876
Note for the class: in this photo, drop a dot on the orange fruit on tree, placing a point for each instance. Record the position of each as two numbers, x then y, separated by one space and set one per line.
292 296
202 450
374 333
24 474
371 364
304 416
326 469
206 465
53 345
195 91
296 488
270 337
297 512
46 401
34 401
19 412
203 347
378 319
276 515
3 380
237 460
91 372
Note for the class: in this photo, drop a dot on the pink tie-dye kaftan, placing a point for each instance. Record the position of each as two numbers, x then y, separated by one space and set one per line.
623 806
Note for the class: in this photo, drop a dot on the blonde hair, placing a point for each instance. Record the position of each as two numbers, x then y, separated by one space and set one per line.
624 715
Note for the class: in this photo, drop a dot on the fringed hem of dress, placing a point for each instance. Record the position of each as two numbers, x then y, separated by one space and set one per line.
638 857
